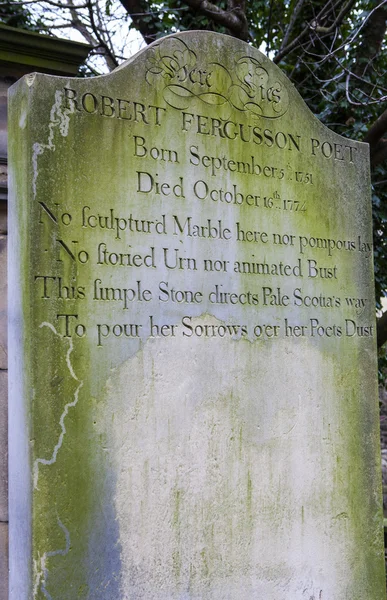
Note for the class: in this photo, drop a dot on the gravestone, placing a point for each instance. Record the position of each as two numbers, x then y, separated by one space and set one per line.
193 408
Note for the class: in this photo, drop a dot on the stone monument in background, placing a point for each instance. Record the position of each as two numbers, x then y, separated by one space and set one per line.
193 397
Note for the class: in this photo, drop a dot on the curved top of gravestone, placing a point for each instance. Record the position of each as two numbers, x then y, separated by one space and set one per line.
207 73
221 73
218 70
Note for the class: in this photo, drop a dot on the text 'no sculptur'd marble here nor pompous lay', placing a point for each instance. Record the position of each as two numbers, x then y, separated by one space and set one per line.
193 398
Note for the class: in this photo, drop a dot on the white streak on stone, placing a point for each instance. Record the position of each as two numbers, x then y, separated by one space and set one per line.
40 566
59 118
50 326
68 362
37 577
41 575
72 404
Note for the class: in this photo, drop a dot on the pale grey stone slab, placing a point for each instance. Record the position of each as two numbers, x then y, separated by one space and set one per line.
193 383
3 446
3 302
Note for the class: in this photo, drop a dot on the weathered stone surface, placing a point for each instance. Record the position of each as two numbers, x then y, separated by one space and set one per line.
192 360
3 302
3 446
3 561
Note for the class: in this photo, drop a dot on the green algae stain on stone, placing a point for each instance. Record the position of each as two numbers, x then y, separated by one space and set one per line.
192 275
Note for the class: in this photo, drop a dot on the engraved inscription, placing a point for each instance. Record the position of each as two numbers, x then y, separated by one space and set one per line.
247 87
209 226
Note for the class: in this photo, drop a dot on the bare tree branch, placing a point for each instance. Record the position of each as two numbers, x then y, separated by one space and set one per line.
95 40
374 30
238 8
373 35
314 27
105 47
269 26
338 20
49 2
79 26
235 20
292 22
379 154
143 20
376 130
